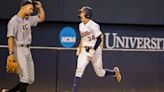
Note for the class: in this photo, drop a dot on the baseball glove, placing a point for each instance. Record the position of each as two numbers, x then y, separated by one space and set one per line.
12 65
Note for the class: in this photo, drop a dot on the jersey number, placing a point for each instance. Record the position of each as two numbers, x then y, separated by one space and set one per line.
91 38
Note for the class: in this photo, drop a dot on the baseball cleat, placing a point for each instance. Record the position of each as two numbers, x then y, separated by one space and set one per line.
117 74
4 90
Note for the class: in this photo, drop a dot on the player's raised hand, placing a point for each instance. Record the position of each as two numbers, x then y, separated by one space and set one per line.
38 4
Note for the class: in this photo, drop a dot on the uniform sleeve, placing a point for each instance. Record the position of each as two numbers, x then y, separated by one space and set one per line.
11 29
96 30
33 20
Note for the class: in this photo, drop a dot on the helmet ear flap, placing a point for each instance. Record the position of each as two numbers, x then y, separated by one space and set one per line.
88 11
87 15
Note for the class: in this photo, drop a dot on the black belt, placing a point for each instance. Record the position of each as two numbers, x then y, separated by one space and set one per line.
22 45
87 48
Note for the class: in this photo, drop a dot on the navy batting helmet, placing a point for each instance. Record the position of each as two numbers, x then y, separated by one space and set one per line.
88 11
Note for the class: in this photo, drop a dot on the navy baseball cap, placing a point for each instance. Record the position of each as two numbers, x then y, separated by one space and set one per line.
25 2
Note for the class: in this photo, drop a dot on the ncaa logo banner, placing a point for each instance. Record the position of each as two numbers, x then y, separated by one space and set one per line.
67 37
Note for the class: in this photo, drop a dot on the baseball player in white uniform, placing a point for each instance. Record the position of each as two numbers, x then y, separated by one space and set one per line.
90 49
19 39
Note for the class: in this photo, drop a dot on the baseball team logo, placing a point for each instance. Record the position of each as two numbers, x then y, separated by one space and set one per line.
67 37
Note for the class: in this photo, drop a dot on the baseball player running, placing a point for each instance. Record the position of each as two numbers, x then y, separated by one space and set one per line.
90 49
19 40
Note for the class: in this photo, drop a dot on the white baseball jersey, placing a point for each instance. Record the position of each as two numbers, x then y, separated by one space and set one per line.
20 29
89 32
